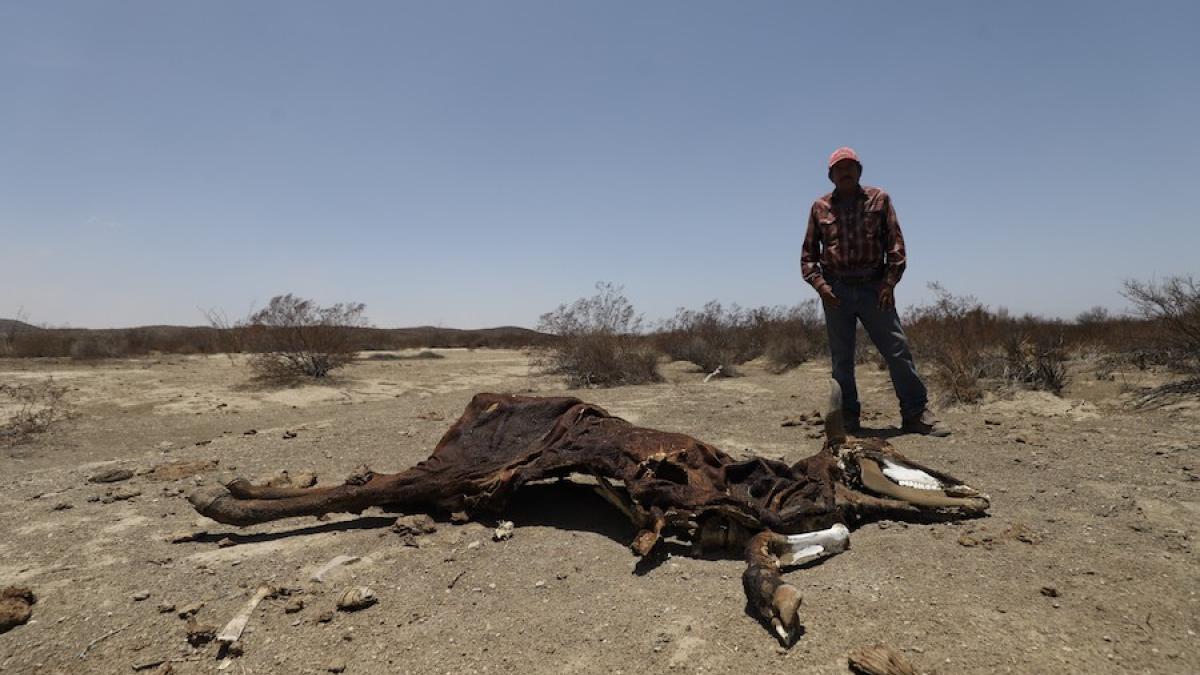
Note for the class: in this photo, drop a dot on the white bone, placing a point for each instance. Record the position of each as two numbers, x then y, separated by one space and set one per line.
910 477
233 629
802 548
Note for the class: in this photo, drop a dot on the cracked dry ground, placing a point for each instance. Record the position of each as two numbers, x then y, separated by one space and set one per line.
1087 563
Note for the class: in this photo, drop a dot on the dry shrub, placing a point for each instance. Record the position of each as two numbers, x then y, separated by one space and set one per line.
96 347
952 335
1174 306
1037 362
795 335
31 408
292 337
715 337
599 342
424 354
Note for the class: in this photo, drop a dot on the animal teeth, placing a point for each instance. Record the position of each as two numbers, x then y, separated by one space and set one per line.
909 477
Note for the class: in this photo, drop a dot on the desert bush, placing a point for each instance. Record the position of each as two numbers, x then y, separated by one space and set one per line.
292 337
952 334
1037 362
795 335
419 356
94 347
1173 304
715 337
31 408
599 342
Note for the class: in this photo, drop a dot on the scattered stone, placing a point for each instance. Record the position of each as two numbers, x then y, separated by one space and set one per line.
16 606
199 634
119 495
226 543
305 480
325 617
792 422
991 422
62 506
141 595
539 584
250 432
410 527
1049 591
357 598
460 517
111 476
183 536
189 611
166 608
336 666
235 649
473 545
289 434
504 531
294 605
202 443
968 541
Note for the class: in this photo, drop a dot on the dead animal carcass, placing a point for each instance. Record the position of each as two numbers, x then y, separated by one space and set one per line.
665 483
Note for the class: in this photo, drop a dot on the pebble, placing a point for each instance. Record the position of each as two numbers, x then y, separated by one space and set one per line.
166 608
141 595
1049 591
294 605
336 666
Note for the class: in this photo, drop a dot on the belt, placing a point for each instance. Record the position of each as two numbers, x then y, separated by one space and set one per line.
855 279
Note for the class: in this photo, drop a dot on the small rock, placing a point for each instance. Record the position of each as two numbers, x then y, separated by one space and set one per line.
190 610
289 434
119 495
325 617
357 598
200 633
968 541
235 649
539 584
504 531
111 476
183 536
1049 591
305 480
991 422
410 527
336 666
16 606
166 608
250 432
473 545
294 605
226 543
141 595
62 506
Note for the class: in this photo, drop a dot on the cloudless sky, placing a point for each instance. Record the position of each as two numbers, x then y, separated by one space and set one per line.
472 164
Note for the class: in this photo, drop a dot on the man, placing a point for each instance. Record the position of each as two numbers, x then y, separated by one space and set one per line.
854 257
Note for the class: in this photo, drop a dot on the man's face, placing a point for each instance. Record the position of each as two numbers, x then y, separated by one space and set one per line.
845 174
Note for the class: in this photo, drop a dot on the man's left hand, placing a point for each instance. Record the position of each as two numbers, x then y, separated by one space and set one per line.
887 296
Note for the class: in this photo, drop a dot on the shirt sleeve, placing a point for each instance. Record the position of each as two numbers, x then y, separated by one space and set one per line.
810 255
895 258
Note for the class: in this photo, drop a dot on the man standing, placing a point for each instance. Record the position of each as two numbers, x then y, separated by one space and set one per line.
854 257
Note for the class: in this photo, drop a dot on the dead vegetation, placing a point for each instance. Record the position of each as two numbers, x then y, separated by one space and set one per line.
1174 306
31 408
292 337
599 342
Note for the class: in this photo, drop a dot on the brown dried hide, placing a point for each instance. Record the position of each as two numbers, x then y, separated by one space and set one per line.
502 442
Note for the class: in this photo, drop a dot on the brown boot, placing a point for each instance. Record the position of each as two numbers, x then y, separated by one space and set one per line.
926 424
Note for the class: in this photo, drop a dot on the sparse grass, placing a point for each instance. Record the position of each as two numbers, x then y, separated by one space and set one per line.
599 342
34 408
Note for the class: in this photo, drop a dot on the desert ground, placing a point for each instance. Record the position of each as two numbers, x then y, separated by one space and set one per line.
1086 562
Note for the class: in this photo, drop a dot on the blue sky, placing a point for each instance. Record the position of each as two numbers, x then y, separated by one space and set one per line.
471 164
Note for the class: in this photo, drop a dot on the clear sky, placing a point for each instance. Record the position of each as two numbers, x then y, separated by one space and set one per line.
472 164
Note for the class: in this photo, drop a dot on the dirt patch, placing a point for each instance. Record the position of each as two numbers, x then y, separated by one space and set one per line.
1086 564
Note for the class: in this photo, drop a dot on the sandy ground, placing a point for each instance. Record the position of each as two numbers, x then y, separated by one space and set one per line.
1086 564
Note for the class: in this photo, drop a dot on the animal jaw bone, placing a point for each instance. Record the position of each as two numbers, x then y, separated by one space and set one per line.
666 484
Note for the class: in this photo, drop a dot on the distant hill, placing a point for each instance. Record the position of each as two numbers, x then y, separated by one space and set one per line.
14 326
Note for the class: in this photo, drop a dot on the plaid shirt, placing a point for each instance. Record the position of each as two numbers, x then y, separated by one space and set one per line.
855 237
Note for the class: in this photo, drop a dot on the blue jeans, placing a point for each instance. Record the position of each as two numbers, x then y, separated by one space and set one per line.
860 302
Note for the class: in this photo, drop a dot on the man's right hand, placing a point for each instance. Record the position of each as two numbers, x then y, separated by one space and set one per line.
828 297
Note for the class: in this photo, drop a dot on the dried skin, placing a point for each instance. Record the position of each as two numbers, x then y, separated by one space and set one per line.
879 660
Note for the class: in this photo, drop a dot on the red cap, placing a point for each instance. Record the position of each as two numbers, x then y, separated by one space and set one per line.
843 153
